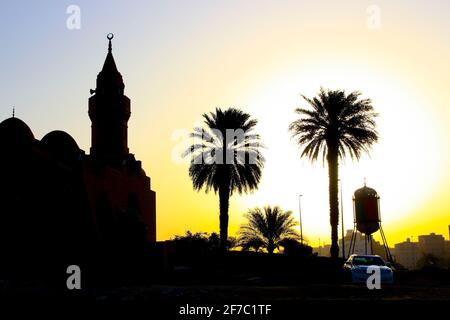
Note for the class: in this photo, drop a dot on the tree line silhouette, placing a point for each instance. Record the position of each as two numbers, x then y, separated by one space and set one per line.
335 125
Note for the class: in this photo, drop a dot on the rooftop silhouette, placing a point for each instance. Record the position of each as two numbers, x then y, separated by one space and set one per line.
55 196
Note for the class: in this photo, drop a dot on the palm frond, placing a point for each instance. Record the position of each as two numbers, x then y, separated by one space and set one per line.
210 151
269 226
335 118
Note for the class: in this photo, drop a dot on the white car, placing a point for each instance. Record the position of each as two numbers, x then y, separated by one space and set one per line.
356 268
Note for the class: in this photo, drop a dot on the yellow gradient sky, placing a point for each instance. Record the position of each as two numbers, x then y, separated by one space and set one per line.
182 59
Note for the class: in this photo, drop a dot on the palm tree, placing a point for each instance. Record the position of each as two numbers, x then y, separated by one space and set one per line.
251 243
268 227
339 124
226 158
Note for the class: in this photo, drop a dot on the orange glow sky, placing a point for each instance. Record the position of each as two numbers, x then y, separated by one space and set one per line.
180 59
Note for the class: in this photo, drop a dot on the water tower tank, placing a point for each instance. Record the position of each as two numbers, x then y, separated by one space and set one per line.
366 205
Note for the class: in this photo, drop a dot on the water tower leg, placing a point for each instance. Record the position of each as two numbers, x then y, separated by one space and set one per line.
355 232
365 243
371 244
352 242
386 247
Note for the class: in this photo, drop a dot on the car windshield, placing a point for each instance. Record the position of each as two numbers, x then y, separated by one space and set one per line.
368 261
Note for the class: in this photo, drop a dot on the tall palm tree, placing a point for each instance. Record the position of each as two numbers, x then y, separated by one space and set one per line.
336 125
268 227
226 158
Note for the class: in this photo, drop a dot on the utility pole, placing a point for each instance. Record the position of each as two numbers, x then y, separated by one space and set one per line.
300 214
342 223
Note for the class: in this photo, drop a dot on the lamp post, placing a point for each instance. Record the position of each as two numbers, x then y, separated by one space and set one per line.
300 214
342 223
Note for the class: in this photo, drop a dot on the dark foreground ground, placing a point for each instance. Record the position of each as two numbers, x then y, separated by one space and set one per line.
159 301
415 287
284 283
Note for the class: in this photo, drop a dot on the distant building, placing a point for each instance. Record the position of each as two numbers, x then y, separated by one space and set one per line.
447 245
407 254
432 244
447 249
322 250
360 246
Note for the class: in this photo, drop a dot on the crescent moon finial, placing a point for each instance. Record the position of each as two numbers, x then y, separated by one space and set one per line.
109 36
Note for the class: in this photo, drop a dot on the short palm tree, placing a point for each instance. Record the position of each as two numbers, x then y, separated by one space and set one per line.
267 227
226 158
336 125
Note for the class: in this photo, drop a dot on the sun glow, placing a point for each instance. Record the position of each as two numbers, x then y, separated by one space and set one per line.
258 56
403 180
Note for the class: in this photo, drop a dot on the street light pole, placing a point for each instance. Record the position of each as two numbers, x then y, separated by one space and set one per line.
300 214
342 223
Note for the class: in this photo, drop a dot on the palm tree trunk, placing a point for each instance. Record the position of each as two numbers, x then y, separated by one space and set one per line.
270 247
224 199
333 173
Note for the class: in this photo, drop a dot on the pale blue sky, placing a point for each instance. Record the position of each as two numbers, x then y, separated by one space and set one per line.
182 58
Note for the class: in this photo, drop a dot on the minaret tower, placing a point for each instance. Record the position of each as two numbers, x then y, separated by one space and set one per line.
109 111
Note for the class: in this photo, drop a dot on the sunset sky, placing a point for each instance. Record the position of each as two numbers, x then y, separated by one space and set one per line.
180 59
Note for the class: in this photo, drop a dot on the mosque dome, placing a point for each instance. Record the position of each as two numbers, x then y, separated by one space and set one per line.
61 145
16 133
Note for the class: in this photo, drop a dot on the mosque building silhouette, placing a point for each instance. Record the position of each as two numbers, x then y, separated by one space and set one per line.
54 195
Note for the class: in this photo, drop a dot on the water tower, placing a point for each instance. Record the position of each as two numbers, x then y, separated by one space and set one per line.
366 209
